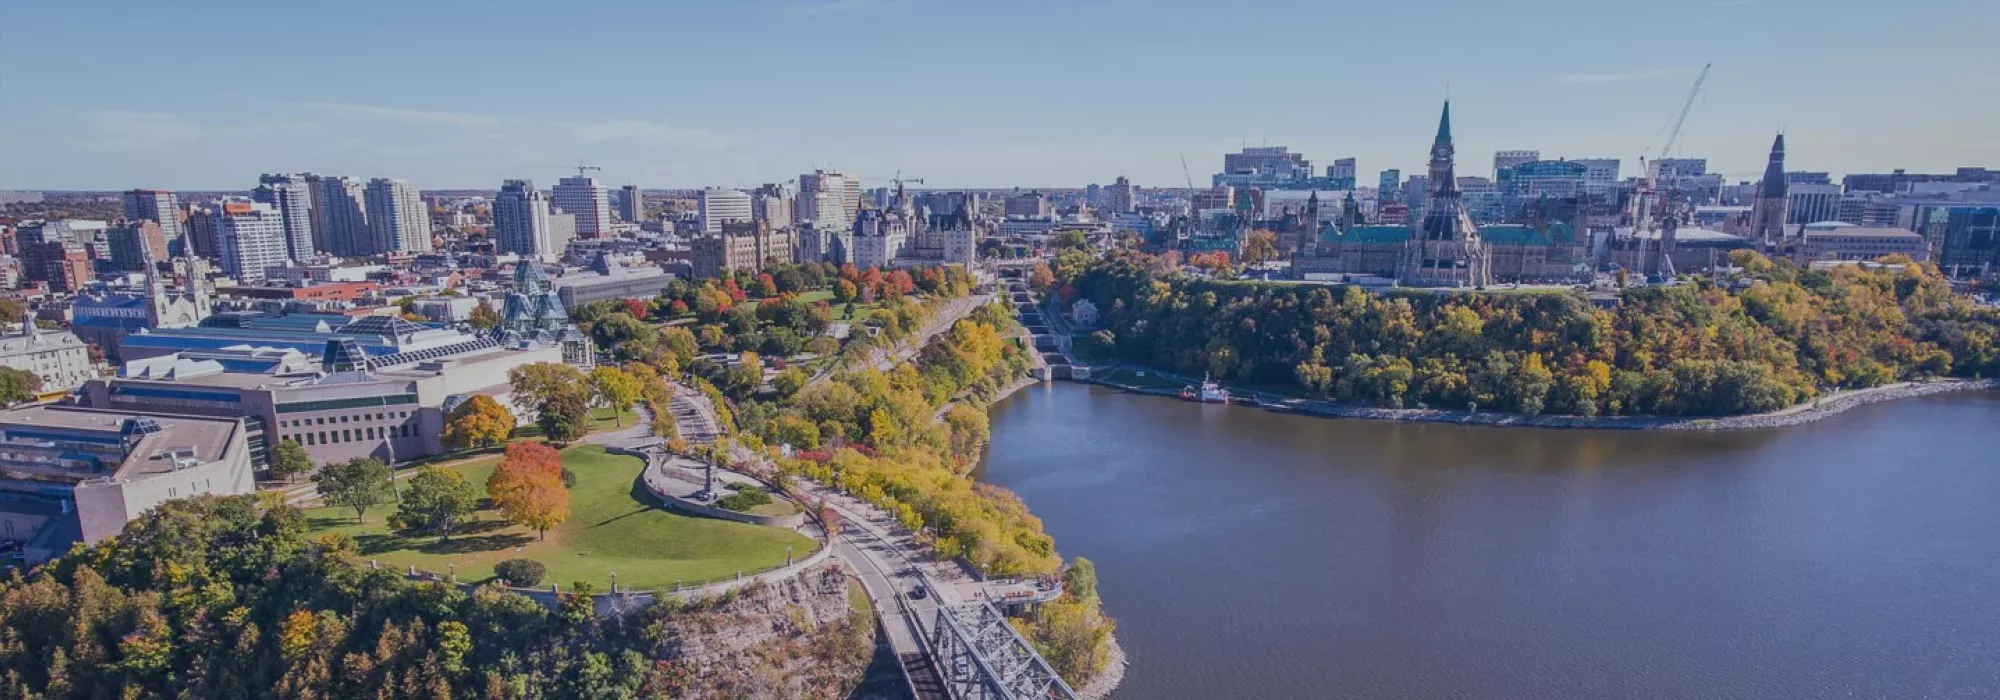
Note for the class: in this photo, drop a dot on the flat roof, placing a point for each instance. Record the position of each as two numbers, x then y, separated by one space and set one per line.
205 439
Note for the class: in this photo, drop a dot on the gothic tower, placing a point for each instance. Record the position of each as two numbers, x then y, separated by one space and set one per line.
1444 249
1767 212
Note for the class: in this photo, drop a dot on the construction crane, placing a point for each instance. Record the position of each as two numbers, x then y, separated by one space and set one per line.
580 168
1645 217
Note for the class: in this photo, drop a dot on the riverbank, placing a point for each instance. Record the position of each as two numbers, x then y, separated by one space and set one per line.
1821 408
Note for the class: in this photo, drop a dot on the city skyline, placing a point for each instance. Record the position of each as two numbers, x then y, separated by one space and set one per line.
1010 96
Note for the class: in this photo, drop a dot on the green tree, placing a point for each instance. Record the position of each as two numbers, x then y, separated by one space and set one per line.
360 483
437 500
484 317
788 382
17 385
564 416
536 382
1080 579
615 389
289 459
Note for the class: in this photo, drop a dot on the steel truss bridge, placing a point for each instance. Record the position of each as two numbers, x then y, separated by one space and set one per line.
981 657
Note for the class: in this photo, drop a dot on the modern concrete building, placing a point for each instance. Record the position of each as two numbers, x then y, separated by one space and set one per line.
1032 204
342 216
606 278
846 187
157 206
1121 197
1841 241
718 206
79 475
774 204
521 221
292 197
250 237
562 230
1811 203
398 219
60 358
588 201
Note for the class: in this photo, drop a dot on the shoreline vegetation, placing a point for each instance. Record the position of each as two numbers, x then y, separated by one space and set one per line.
1819 409
1765 343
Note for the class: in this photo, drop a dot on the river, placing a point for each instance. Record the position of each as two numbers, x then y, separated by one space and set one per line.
1249 554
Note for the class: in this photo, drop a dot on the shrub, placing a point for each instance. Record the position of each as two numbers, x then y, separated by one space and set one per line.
568 478
522 573
744 500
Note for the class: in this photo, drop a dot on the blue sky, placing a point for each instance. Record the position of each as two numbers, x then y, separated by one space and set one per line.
112 95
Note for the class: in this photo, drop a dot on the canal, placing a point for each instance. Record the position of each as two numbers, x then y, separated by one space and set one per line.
1252 554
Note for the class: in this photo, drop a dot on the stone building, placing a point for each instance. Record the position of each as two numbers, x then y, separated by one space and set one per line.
740 245
60 358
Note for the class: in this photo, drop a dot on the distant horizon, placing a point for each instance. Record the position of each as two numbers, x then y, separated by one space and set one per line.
673 96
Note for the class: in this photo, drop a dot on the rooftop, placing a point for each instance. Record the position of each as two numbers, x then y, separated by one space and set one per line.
149 445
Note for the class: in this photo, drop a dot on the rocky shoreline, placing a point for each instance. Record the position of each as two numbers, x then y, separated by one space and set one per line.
1108 679
1795 415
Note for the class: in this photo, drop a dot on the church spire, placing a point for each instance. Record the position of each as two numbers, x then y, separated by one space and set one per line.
1444 125
1443 180
1774 172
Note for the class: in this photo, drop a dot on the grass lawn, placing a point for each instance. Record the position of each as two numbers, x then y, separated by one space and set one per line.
817 295
613 526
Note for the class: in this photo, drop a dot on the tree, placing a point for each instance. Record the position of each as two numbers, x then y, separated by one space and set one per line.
17 385
360 483
289 459
527 487
520 573
789 382
1080 579
536 382
563 416
616 389
1042 278
484 317
437 500
478 423
1262 246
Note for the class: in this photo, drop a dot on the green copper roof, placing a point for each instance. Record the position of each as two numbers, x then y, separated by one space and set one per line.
1519 235
1444 124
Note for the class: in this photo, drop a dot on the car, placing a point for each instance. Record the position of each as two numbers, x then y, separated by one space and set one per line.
918 591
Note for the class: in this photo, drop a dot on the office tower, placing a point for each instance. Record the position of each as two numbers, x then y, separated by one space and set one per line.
1503 160
251 237
774 204
1600 175
521 220
135 243
63 264
719 206
341 211
397 217
1121 197
846 187
1030 205
825 209
291 195
1767 212
157 206
632 204
589 201
201 231
1340 175
1387 186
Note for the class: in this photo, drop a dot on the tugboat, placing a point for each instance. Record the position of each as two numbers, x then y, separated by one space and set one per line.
1208 392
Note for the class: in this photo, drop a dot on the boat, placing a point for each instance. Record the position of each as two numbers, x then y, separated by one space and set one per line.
1208 392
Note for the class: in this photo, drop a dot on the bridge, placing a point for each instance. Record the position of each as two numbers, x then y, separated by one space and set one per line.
981 657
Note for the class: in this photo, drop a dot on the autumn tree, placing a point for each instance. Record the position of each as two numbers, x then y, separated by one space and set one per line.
479 422
484 317
360 483
437 500
615 389
1262 246
527 487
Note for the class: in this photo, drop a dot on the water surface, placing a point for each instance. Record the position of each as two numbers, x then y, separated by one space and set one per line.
1254 554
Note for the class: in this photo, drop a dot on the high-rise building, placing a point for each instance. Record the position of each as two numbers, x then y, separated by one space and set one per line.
201 231
1768 211
718 206
1503 160
1121 197
632 205
63 264
773 204
342 211
251 238
292 196
157 206
397 217
1028 205
847 188
1388 187
589 201
521 220
136 243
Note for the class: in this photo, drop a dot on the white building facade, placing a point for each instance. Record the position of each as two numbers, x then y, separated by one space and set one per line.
250 237
521 220
719 206
589 201
397 217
